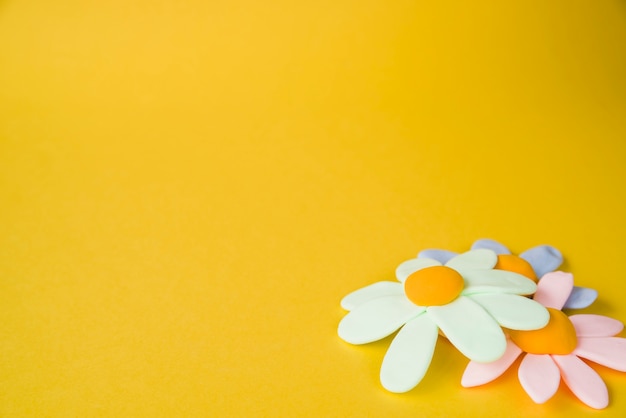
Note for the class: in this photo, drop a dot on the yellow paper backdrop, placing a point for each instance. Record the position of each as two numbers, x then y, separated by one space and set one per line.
188 188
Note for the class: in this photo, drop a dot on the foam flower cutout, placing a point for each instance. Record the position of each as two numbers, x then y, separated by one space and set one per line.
465 299
533 263
555 351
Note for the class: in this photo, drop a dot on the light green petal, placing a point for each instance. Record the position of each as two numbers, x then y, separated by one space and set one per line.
470 329
373 291
377 319
497 281
476 259
513 311
409 355
409 267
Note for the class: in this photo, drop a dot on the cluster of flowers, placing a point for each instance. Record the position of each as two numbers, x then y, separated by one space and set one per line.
479 301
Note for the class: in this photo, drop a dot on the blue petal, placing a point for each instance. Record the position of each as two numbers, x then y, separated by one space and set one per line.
543 259
580 298
443 256
489 244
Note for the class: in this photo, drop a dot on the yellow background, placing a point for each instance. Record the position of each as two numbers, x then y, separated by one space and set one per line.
187 190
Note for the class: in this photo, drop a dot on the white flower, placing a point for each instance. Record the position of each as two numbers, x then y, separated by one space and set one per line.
466 299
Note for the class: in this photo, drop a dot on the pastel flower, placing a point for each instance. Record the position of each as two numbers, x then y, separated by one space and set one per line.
555 351
466 300
533 263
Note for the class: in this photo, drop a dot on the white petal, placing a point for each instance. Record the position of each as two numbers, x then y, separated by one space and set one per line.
409 267
540 377
470 329
513 311
409 355
373 291
497 281
377 319
472 260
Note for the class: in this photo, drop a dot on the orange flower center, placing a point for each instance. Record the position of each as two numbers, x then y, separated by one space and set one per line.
433 286
516 264
558 337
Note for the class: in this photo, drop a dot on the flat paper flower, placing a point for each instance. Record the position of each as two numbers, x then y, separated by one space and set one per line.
466 299
555 351
533 263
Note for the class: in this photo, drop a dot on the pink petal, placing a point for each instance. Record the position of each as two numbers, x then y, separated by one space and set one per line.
553 289
477 374
583 381
588 325
609 352
539 376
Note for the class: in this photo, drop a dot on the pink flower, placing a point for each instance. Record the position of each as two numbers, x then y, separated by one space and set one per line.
556 351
